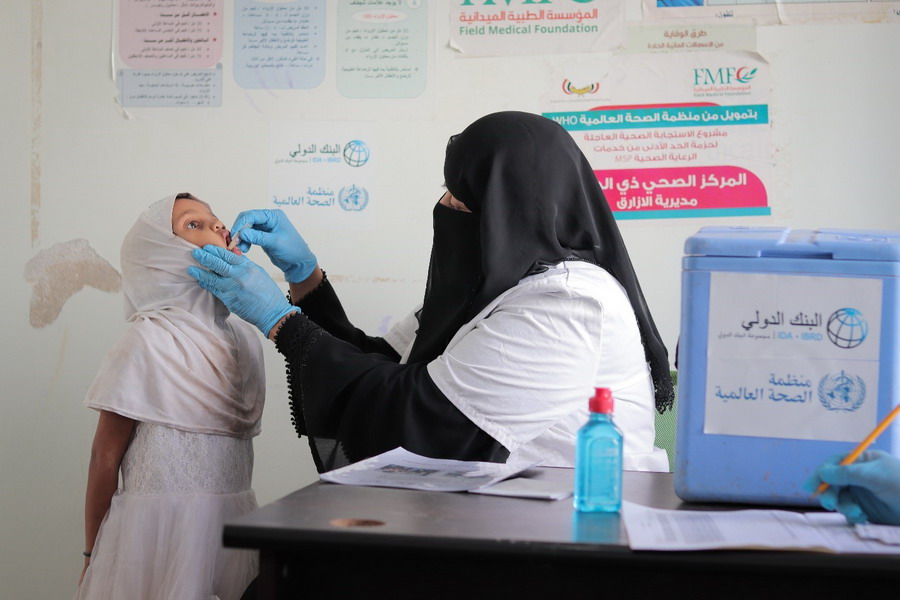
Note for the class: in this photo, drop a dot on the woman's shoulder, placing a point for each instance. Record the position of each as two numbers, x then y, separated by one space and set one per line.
571 290
554 290
571 278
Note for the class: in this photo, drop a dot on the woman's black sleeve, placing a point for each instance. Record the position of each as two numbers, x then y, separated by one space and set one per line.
354 405
323 306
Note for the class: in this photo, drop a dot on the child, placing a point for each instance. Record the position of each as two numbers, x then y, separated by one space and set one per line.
180 398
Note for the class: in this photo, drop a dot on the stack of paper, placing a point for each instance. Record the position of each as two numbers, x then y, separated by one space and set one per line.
658 529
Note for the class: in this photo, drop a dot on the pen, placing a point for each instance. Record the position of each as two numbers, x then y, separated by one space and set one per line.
863 445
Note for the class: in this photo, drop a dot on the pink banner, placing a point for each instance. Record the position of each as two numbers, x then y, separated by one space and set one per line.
719 188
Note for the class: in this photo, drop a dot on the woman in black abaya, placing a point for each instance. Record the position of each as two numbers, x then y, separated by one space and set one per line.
531 301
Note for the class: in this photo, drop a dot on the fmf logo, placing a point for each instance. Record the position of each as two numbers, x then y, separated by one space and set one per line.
591 88
723 76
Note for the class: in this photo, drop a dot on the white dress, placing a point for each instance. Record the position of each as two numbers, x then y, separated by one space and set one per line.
162 536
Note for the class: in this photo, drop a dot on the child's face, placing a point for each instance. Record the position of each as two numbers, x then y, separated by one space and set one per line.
194 221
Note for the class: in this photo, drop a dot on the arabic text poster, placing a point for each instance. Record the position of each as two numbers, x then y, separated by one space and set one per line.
480 28
672 135
769 12
675 37
322 174
179 88
793 356
279 45
382 48
177 34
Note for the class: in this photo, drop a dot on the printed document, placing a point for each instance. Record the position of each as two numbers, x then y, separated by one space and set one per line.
399 468
658 529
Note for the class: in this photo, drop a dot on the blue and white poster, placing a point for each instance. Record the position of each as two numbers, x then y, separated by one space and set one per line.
279 45
382 48
793 356
322 174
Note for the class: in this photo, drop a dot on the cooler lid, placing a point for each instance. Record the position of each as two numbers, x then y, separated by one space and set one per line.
757 242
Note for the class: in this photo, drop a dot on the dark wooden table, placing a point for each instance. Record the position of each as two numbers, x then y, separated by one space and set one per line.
335 541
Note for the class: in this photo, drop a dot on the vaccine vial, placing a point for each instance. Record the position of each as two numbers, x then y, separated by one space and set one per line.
598 458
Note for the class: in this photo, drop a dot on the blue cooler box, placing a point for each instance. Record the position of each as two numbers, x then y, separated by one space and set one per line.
788 355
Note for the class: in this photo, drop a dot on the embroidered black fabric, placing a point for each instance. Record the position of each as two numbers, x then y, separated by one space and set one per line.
352 398
323 306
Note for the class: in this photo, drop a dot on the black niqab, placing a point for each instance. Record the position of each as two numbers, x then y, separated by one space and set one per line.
537 202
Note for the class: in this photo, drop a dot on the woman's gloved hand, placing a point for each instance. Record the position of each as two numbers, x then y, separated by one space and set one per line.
272 231
242 285
867 490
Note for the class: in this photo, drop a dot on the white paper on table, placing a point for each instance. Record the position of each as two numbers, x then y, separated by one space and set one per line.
659 529
888 534
400 468
846 538
523 487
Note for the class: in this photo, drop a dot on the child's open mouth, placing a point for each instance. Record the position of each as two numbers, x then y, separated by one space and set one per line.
228 245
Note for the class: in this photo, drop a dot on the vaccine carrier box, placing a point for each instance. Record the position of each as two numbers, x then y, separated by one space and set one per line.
788 355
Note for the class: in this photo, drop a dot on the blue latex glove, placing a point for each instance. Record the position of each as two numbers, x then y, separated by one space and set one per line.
242 285
272 231
867 490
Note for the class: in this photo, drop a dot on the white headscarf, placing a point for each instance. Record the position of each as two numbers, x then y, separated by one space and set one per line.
185 362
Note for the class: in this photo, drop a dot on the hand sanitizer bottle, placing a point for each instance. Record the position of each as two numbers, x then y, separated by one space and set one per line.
598 458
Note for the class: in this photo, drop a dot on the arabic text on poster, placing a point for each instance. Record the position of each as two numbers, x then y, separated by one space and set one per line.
382 48
561 26
766 12
793 356
322 174
179 34
279 45
673 135
180 88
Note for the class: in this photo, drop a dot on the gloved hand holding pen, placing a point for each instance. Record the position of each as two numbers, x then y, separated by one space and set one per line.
272 231
866 490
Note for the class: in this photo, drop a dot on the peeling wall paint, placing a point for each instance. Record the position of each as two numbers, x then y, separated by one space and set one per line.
60 271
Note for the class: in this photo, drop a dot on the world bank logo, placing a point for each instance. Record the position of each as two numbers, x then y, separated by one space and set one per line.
353 197
847 328
356 153
842 392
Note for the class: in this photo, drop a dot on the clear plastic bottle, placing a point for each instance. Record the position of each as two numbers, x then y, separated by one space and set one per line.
598 458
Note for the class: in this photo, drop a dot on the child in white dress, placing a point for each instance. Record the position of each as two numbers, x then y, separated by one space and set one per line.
180 398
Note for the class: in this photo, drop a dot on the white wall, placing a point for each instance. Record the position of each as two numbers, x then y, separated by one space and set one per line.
834 120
